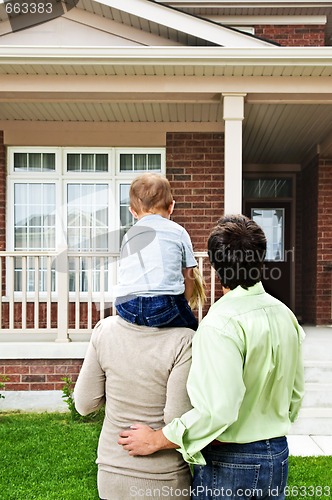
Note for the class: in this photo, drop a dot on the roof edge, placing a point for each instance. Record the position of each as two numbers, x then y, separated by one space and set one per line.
207 56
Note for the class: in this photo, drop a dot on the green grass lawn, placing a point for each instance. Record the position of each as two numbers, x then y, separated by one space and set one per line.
48 456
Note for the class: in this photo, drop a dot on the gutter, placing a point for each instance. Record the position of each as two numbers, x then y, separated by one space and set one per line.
164 56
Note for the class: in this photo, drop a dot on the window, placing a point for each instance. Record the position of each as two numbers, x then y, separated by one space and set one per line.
34 162
267 188
139 162
272 221
87 162
78 196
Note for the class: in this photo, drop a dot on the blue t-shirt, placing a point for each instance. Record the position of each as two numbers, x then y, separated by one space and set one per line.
153 253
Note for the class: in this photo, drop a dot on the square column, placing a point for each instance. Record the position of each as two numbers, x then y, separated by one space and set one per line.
233 117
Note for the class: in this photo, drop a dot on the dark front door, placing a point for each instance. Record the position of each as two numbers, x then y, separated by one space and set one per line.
275 219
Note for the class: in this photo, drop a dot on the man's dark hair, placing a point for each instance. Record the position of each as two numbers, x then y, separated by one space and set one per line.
237 248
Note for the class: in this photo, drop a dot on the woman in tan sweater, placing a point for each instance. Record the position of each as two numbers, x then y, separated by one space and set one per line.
140 373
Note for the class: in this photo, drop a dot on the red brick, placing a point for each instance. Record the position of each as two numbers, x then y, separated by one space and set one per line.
42 387
42 369
12 369
13 379
66 369
293 35
55 378
17 387
33 378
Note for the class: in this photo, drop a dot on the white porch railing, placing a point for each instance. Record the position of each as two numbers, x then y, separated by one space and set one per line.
63 293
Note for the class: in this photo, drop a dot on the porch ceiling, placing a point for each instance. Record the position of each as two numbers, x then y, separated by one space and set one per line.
286 133
272 133
284 118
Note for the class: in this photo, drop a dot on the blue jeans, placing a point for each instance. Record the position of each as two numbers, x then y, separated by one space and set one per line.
256 470
159 310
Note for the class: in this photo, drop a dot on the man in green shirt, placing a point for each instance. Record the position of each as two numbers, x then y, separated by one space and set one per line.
246 381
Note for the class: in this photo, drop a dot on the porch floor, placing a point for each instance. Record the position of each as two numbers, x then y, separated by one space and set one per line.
311 435
309 446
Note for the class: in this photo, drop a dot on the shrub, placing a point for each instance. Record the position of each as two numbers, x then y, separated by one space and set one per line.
3 379
68 397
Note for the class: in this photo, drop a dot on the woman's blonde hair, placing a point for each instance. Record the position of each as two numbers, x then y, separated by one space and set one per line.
199 296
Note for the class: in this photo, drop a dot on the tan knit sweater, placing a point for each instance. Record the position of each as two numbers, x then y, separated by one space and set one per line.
142 374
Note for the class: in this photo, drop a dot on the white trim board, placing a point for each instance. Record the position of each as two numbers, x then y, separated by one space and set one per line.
168 56
186 23
245 3
33 401
43 350
271 20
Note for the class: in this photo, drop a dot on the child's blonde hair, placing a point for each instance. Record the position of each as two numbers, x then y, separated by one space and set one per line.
150 192
199 296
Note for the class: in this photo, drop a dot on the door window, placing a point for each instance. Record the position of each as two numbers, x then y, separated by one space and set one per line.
272 221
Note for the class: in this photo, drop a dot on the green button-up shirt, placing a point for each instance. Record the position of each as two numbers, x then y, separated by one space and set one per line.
246 382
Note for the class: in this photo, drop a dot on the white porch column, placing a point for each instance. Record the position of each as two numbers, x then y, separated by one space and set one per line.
233 116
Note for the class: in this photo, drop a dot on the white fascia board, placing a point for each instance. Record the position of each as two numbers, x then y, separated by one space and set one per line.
245 3
270 20
185 23
165 56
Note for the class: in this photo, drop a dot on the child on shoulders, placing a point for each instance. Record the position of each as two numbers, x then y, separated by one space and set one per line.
156 272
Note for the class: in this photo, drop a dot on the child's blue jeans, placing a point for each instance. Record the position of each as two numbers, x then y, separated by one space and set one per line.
158 311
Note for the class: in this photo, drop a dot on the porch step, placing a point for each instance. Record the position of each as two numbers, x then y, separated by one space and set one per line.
314 422
318 371
315 417
317 395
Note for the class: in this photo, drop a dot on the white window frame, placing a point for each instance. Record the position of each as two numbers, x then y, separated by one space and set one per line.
61 178
134 173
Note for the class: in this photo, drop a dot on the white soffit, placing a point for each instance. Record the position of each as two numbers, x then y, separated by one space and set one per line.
182 22
167 61
121 112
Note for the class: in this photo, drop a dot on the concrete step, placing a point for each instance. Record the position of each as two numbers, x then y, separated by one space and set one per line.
315 417
318 371
317 395
313 421
317 345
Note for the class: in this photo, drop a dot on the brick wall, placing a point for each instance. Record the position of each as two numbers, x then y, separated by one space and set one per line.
317 242
309 238
195 169
38 374
293 36
324 242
